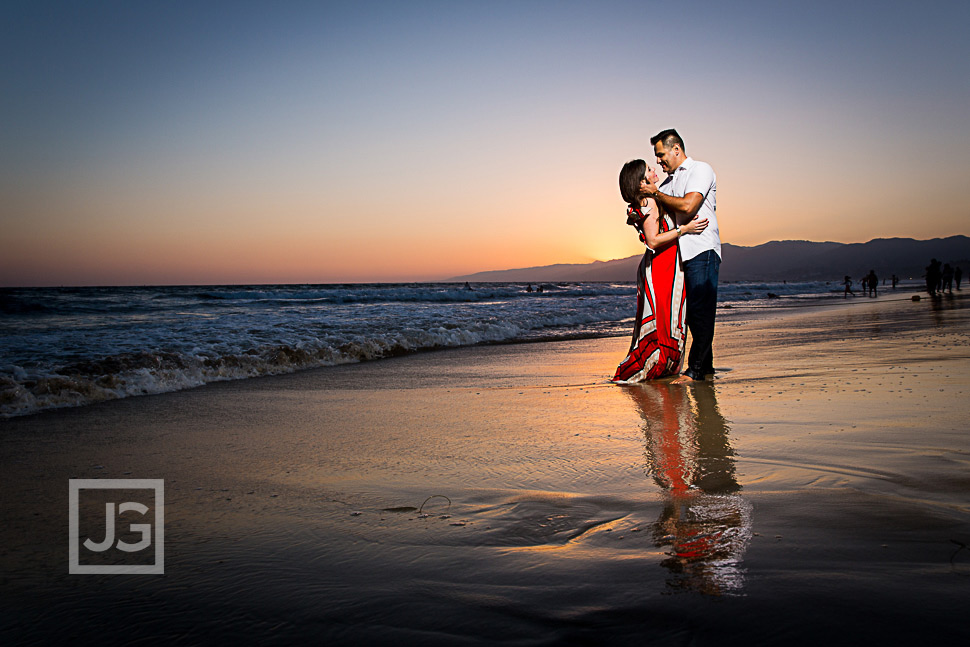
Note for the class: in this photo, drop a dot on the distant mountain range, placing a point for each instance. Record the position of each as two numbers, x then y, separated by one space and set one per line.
790 260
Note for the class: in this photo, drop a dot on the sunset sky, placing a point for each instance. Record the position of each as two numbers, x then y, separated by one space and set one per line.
308 142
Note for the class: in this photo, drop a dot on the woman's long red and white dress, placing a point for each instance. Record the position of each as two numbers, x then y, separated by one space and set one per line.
660 329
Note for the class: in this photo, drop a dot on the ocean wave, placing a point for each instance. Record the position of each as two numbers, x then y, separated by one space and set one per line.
410 293
25 390
72 301
65 347
753 291
15 304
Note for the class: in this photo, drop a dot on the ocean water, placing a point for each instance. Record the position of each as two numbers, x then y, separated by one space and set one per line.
63 347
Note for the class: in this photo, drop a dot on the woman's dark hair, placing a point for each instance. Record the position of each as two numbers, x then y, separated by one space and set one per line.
630 176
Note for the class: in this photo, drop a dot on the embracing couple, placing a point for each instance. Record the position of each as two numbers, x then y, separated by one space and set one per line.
677 278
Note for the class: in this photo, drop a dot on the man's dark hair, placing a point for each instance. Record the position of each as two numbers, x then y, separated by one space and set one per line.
669 138
630 176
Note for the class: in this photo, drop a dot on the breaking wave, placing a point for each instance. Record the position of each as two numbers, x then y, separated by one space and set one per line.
65 347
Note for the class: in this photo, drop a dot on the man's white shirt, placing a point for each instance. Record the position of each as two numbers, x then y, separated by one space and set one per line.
696 177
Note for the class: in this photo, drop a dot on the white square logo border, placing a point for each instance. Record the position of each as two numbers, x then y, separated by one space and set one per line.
76 485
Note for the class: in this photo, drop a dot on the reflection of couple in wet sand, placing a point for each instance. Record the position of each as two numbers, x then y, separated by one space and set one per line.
677 278
705 522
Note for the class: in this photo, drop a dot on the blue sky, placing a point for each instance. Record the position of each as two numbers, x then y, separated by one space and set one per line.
150 142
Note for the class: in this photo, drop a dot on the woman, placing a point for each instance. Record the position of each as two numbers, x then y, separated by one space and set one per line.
660 329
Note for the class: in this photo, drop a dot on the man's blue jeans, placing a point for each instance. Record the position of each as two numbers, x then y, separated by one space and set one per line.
700 274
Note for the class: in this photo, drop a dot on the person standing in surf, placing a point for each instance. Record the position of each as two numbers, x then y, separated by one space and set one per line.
689 191
659 333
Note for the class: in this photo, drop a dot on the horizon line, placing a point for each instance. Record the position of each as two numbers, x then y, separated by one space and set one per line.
460 278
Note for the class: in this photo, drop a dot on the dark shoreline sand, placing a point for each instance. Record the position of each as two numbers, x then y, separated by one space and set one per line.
814 491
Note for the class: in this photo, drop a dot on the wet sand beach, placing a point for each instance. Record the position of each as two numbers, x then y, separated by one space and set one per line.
817 490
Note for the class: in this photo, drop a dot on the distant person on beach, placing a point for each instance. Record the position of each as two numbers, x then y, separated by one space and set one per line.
847 282
947 283
933 275
659 330
689 191
873 282
957 275
895 281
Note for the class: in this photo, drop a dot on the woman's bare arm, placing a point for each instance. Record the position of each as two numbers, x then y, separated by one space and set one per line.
657 240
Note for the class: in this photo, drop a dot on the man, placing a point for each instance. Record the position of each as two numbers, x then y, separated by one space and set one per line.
690 191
